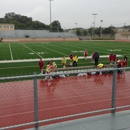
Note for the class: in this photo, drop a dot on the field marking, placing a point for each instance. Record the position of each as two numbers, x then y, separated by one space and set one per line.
83 45
77 51
32 50
48 59
10 52
38 53
114 49
52 50
60 47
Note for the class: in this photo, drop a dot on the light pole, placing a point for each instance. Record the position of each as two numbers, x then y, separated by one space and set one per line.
92 28
101 28
50 16
10 19
76 27
111 30
94 22
124 25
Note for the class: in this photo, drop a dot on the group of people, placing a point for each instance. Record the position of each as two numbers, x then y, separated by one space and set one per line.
114 60
74 59
50 65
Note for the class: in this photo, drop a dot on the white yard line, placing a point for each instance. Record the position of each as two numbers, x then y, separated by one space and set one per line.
32 51
61 47
52 50
48 59
10 52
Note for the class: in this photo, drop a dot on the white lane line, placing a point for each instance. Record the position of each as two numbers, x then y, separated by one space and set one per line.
32 51
52 50
10 52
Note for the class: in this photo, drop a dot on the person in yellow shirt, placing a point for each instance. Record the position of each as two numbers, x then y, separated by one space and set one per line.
64 62
53 63
48 70
75 60
100 66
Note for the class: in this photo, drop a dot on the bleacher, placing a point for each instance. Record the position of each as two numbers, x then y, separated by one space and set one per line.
35 34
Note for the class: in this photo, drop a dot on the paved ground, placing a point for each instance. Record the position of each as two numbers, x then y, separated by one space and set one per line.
117 121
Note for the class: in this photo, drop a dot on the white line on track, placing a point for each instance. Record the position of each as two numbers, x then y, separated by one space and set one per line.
32 51
10 52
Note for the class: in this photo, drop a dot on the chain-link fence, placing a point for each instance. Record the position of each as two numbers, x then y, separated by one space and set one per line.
64 94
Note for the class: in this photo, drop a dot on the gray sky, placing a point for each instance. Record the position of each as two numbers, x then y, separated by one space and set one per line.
69 12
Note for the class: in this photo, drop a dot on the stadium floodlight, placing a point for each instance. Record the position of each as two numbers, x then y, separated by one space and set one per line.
50 16
101 28
76 24
94 22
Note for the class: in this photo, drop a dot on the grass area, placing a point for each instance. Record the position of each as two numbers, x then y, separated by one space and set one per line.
15 51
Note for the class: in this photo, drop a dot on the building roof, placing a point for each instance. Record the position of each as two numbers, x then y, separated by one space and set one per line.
6 24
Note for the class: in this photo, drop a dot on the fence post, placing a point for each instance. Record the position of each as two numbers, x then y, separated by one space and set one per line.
113 105
35 100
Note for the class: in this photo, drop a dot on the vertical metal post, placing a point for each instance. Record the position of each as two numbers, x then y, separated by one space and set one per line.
35 100
111 30
94 23
101 29
76 29
113 102
50 16
92 30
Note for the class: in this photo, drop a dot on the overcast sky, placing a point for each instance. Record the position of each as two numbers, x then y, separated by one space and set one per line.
69 12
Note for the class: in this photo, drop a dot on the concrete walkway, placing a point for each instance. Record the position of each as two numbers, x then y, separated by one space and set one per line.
117 121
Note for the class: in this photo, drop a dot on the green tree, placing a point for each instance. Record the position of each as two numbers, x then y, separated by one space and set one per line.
78 32
56 26
85 32
90 31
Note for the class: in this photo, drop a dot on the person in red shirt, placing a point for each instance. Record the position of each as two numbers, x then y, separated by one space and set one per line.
41 65
92 59
119 63
71 59
124 62
85 54
111 57
114 58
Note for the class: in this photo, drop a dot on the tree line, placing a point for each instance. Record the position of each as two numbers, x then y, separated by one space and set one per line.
26 23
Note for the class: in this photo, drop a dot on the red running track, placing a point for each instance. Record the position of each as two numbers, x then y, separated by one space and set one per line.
61 97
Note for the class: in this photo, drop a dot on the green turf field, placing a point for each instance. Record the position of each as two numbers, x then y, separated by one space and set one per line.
24 51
